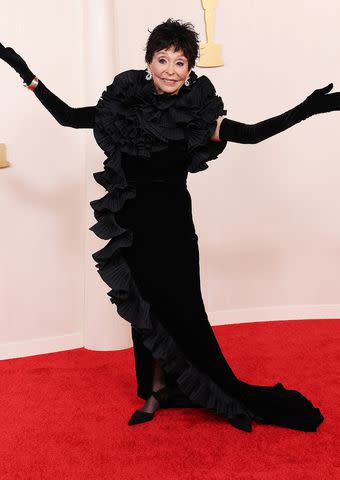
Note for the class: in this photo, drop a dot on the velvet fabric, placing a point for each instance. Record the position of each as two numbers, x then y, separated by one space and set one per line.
151 262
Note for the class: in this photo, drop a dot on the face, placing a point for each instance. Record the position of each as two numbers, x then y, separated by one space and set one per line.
169 70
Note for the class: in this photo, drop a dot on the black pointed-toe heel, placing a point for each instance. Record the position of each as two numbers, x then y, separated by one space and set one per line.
241 422
162 396
140 417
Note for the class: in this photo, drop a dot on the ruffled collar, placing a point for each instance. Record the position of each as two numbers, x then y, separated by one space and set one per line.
133 119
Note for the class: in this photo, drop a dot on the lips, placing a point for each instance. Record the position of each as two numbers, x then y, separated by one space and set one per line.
168 80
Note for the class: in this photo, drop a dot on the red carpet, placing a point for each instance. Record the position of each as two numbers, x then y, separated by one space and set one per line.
64 415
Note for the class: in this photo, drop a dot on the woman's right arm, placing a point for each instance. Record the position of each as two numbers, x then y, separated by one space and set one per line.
82 117
67 116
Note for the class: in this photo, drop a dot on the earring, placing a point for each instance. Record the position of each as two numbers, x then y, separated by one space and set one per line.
148 76
186 83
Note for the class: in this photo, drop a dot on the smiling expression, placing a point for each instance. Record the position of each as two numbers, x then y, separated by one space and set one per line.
169 70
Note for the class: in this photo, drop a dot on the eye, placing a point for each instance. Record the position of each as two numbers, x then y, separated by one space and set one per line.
181 63
161 60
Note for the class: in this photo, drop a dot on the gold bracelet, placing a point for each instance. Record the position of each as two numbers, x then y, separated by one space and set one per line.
33 85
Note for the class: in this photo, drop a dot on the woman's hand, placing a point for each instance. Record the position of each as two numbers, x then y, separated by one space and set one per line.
216 135
18 63
320 102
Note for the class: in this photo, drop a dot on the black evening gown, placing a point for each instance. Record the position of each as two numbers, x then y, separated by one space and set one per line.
164 260
151 260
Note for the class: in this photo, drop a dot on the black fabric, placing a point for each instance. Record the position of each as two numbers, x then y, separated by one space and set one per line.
317 102
151 259
10 56
238 132
81 117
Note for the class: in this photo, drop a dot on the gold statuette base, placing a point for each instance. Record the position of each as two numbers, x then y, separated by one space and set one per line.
210 55
3 161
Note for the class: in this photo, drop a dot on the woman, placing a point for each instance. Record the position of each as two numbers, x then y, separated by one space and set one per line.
155 126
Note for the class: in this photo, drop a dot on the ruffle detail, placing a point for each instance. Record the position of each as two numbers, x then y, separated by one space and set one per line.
196 385
131 119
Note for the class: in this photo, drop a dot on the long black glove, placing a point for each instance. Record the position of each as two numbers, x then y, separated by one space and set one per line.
81 117
316 102
15 61
67 116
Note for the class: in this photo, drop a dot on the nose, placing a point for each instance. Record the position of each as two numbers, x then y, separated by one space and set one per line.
170 69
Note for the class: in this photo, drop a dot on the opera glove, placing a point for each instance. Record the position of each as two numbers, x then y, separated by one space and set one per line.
320 101
17 62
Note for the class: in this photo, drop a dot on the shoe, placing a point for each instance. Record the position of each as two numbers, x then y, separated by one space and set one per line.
139 416
162 396
241 422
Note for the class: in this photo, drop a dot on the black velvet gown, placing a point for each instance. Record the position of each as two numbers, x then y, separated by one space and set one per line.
164 261
151 260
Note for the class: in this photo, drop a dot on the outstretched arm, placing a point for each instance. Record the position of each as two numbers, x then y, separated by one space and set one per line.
82 117
67 116
317 102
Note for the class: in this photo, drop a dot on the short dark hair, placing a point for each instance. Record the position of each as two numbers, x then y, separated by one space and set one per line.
176 33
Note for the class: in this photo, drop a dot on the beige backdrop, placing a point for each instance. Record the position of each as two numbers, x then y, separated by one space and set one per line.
267 215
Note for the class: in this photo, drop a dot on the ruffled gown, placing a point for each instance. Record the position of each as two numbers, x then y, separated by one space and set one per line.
151 260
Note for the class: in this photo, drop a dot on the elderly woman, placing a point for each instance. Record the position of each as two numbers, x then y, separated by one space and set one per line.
156 125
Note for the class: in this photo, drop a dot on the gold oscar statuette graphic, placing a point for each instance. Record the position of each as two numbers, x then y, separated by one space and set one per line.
3 161
210 52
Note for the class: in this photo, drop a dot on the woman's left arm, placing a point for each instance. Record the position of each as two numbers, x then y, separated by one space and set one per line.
317 102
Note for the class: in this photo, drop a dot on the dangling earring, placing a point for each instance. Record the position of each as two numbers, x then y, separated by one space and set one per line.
186 83
148 76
